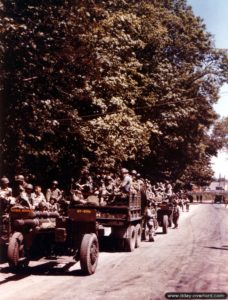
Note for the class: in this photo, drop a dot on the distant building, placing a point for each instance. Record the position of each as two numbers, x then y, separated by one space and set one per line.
218 184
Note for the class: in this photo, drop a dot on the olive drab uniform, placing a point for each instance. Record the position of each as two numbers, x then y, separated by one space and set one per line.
126 183
38 199
150 216
176 215
187 204
5 197
53 197
5 193
25 199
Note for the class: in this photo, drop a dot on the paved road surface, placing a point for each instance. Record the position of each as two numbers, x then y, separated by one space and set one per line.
193 258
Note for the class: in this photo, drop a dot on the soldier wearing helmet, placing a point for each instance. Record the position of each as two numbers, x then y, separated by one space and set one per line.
5 194
20 185
150 217
53 194
176 213
5 190
25 198
126 183
135 184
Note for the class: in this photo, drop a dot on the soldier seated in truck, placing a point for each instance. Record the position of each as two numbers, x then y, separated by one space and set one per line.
6 198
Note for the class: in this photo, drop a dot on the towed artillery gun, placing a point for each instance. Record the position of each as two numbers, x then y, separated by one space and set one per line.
43 233
164 215
27 227
76 234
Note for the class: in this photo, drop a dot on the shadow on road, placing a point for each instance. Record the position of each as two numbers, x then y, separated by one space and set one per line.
45 269
219 248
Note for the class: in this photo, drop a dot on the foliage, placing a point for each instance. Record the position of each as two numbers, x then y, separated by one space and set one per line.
220 131
105 83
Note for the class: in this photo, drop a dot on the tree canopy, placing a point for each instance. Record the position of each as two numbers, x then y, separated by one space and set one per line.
107 83
220 131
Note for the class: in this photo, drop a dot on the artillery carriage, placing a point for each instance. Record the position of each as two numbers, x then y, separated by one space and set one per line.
164 215
77 233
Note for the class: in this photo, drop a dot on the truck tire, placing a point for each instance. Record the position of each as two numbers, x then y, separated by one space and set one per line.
170 220
16 253
130 241
138 233
89 252
165 224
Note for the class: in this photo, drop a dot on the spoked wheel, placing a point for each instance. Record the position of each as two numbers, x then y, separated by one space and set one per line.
165 224
89 253
138 233
130 241
16 252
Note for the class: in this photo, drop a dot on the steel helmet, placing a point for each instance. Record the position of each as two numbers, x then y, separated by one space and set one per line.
19 178
29 187
4 180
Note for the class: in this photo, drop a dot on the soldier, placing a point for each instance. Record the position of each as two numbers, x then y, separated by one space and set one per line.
5 194
187 204
176 213
20 185
86 182
150 215
53 194
109 189
77 198
5 190
149 192
126 183
25 198
38 198
168 189
181 203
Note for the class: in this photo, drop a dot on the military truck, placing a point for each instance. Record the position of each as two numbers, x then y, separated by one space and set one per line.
219 195
76 234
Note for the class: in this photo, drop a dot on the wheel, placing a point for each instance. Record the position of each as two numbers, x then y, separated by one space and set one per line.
16 251
89 252
165 224
130 241
145 234
138 234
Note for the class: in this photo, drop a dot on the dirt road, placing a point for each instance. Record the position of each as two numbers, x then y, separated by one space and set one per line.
193 258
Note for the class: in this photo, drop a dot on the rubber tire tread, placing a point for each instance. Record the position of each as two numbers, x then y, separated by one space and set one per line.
87 267
165 224
13 249
129 242
138 234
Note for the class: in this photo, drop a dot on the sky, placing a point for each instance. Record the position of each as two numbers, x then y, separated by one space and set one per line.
215 16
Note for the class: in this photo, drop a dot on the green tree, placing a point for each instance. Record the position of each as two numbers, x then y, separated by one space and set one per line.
106 83
220 132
